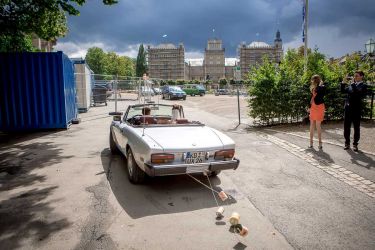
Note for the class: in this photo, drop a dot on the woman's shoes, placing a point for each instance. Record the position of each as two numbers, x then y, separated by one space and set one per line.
320 145
311 145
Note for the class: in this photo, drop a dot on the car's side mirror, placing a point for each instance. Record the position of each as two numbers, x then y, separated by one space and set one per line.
117 118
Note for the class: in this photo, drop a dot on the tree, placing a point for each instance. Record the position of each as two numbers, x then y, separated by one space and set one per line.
223 82
96 58
118 65
109 63
18 42
141 66
264 96
45 18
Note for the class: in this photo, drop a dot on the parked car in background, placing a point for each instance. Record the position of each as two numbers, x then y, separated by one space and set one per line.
202 90
173 92
164 142
222 92
156 90
193 89
147 91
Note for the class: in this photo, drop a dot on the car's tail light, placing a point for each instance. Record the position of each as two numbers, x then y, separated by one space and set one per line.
162 158
224 154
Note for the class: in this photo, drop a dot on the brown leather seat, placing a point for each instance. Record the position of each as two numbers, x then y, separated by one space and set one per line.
182 121
147 119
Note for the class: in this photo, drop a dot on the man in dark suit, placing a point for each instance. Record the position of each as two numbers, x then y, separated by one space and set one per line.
355 91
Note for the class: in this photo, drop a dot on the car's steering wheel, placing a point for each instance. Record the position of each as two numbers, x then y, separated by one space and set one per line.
135 120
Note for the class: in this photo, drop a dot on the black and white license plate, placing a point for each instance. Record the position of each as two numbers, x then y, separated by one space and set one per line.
194 157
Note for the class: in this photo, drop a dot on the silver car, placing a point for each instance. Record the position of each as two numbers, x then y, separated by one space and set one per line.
158 140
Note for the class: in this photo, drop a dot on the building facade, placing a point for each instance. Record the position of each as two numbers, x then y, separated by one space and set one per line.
214 60
41 44
253 54
166 61
194 69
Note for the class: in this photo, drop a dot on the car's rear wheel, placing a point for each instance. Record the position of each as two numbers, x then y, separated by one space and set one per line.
112 145
136 175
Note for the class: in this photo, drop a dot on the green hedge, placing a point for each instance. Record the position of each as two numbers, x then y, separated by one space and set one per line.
280 93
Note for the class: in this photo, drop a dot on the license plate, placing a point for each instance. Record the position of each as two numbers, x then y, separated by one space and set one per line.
194 157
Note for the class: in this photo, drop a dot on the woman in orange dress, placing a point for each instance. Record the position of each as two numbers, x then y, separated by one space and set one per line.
317 108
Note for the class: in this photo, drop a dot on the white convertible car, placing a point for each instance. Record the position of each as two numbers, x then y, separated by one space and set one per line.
157 140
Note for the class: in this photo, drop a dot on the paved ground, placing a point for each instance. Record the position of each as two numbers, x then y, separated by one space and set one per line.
63 190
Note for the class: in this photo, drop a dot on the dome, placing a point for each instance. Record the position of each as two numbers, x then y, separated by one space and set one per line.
166 46
259 45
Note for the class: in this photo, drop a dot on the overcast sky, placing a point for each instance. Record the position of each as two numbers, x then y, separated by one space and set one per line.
336 27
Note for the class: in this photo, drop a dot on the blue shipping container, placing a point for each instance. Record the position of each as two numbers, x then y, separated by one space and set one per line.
37 91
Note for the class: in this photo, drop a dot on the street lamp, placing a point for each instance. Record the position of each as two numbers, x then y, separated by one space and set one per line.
370 46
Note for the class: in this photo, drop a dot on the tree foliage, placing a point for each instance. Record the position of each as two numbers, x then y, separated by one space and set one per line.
103 63
223 82
141 66
45 18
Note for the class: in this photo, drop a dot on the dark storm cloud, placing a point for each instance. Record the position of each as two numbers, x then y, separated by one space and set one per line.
191 22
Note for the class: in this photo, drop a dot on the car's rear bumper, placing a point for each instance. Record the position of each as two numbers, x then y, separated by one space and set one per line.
178 97
161 170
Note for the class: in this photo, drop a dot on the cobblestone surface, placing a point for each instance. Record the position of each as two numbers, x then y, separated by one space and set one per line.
333 133
339 172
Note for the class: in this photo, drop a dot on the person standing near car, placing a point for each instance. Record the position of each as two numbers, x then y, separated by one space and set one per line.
356 91
317 108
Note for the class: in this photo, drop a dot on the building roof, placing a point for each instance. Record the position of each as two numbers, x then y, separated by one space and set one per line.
166 46
259 45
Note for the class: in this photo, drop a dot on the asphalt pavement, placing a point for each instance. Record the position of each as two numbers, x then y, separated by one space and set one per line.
64 190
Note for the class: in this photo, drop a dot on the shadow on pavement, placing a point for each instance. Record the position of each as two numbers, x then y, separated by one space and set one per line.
320 155
17 161
25 216
160 195
361 159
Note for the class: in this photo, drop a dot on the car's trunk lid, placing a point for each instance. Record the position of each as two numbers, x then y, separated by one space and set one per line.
182 138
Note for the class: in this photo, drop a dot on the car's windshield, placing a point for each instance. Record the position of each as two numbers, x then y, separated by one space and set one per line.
200 87
175 89
156 110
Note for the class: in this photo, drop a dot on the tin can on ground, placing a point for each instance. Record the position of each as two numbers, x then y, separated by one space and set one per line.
244 231
234 218
223 196
220 212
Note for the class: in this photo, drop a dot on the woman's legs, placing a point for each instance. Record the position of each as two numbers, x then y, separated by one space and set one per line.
311 132
319 130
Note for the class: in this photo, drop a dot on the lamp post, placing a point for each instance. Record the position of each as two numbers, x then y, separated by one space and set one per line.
370 46
305 26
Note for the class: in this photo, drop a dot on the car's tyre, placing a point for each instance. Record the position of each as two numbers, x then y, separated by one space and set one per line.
184 98
112 145
214 173
136 175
